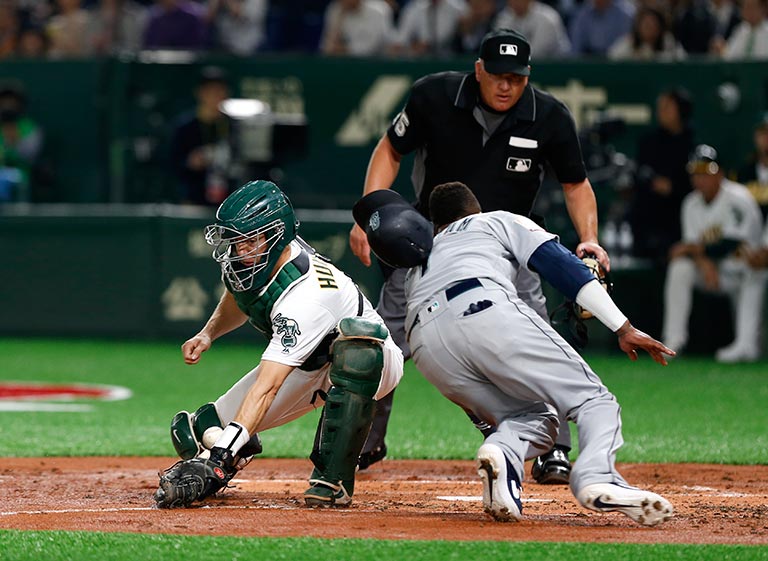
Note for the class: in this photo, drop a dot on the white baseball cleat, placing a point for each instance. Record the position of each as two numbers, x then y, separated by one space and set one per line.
501 487
643 507
733 354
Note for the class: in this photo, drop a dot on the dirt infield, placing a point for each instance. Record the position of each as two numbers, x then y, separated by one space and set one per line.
394 500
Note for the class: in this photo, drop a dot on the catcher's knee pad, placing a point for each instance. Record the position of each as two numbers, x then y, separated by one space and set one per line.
358 357
358 360
187 430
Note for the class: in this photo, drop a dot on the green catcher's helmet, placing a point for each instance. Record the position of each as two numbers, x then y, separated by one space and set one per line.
253 226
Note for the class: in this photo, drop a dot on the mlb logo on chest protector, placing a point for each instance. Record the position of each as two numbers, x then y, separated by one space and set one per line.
508 49
519 165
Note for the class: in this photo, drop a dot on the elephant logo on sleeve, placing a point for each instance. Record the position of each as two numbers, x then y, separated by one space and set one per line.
289 328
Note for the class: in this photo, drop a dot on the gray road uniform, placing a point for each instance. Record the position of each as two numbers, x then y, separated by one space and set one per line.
485 349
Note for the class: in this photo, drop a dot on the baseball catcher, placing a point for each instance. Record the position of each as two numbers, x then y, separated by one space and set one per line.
327 347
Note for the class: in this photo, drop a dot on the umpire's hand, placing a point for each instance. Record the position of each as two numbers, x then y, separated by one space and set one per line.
595 249
358 242
631 339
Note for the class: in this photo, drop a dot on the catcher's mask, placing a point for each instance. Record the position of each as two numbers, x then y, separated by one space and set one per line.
253 226
397 233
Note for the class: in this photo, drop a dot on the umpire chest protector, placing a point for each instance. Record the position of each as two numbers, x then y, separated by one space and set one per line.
505 173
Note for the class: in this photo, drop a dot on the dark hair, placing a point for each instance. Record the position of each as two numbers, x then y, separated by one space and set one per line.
450 201
213 75
13 89
658 45
682 99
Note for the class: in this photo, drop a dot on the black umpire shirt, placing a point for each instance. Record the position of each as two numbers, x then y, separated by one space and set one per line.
442 121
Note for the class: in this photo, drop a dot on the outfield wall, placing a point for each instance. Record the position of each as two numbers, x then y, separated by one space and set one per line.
145 271
108 120
128 271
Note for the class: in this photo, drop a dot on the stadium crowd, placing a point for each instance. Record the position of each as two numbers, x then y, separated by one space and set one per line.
617 29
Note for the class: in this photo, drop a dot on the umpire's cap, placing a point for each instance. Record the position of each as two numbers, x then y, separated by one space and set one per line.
703 160
504 51
397 233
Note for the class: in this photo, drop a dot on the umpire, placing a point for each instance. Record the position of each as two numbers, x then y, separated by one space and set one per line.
494 132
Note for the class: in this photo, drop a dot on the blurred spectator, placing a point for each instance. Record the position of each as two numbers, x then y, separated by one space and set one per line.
694 25
428 27
662 180
754 174
33 43
240 25
70 30
21 142
9 28
200 147
598 24
35 13
750 38
721 223
118 26
650 39
176 24
541 25
473 25
357 28
727 17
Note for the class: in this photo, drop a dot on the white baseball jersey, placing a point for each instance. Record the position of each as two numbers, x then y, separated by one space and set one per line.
307 311
310 309
732 214
492 245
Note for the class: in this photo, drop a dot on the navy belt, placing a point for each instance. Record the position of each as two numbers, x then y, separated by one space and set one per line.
450 293
460 288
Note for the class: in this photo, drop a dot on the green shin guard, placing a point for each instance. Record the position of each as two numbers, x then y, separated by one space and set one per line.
347 420
347 417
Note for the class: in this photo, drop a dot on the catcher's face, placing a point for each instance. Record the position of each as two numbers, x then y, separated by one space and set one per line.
252 250
500 92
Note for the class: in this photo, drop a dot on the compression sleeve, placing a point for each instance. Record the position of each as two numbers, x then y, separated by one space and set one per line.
594 298
560 268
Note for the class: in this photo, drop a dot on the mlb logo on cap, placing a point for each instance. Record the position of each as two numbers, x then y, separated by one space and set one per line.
506 51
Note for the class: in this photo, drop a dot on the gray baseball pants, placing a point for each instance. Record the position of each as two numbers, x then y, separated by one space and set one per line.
391 308
512 369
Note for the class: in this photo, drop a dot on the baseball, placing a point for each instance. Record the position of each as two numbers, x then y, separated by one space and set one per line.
211 435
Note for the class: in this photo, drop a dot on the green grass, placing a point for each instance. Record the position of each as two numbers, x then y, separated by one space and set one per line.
82 546
691 411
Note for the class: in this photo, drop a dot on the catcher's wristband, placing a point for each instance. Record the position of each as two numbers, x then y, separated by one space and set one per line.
594 298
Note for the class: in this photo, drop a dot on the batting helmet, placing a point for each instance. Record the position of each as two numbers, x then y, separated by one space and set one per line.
397 233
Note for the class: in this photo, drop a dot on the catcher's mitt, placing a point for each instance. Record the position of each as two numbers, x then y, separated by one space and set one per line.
601 275
568 318
191 480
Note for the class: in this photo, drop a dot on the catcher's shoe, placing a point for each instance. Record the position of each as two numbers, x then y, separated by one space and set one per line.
643 507
501 486
367 459
552 468
324 494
